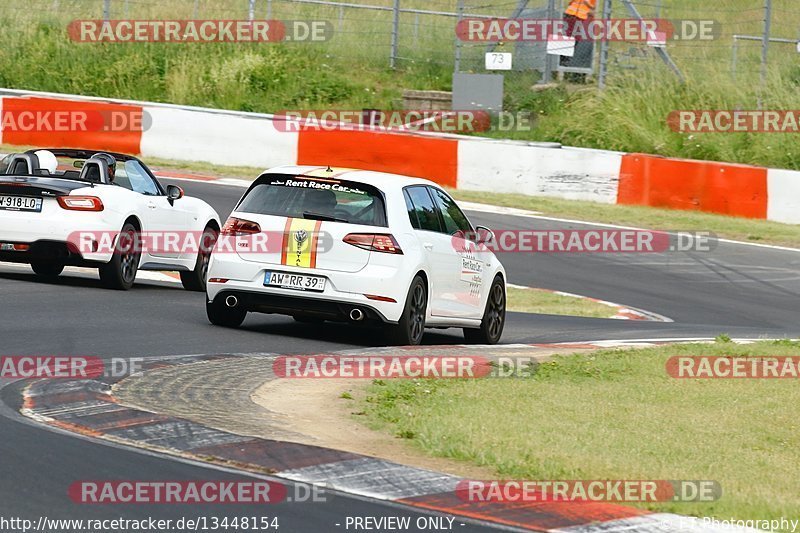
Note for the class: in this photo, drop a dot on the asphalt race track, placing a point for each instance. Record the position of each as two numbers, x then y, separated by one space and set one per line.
740 290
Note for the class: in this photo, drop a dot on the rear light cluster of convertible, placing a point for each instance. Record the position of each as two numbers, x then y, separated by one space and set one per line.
80 203
374 242
237 226
14 247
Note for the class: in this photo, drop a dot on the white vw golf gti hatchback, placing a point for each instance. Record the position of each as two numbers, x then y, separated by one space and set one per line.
356 246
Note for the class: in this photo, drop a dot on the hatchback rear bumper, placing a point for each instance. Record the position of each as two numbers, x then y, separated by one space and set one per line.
289 304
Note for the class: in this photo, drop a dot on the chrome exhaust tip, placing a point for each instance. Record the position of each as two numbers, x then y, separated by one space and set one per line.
231 301
356 315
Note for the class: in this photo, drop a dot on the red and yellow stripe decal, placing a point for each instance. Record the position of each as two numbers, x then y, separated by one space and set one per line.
300 239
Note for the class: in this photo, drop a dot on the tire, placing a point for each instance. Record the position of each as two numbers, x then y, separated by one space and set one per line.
47 269
411 327
195 280
494 317
220 314
120 272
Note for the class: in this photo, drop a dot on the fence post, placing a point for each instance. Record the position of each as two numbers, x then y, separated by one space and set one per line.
251 11
765 49
106 10
662 52
547 75
604 44
460 10
395 33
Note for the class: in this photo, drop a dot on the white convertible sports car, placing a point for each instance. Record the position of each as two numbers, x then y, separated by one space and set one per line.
57 206
357 246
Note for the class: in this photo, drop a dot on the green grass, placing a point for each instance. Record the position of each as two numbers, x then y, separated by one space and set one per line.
615 414
530 300
351 71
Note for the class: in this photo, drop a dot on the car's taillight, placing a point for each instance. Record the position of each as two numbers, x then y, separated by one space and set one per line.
374 242
80 203
237 226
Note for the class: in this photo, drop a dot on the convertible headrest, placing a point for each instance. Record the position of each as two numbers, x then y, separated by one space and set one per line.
23 164
95 169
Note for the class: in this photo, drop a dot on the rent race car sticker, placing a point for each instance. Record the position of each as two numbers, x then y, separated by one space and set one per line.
319 184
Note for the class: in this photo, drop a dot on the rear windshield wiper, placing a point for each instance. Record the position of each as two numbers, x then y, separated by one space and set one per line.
320 216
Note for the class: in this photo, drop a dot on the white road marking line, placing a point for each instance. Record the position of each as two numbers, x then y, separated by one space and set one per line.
497 209
83 272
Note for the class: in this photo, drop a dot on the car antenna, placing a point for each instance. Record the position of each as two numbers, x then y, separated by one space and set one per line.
329 169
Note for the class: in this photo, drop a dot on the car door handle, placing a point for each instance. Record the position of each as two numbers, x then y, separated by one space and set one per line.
428 246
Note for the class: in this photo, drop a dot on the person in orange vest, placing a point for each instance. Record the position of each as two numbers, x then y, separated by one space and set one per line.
581 9
577 12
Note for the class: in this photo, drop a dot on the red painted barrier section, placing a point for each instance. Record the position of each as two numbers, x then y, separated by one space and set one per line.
433 158
33 121
722 188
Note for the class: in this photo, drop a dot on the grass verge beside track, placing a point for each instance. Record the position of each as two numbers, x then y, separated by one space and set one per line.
532 300
615 414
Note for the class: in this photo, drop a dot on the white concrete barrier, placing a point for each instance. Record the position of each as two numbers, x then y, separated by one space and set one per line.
221 137
514 167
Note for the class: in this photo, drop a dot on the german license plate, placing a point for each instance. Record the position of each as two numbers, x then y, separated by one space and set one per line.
20 203
294 281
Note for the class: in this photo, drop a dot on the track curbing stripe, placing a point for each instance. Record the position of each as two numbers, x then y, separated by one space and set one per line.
343 471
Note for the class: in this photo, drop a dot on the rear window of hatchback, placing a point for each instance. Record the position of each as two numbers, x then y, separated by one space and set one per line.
314 198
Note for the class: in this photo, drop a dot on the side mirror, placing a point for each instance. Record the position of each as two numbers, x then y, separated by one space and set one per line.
483 235
174 193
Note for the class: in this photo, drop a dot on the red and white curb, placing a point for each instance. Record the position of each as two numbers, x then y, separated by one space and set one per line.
88 408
